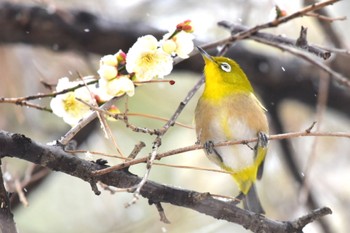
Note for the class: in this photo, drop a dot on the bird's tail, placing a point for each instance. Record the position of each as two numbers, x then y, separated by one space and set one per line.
251 201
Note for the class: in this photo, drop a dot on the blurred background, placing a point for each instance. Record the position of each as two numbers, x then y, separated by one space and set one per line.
288 86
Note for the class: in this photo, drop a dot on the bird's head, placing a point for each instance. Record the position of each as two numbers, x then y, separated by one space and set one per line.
224 71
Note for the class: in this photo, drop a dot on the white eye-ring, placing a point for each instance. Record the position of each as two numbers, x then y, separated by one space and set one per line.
225 67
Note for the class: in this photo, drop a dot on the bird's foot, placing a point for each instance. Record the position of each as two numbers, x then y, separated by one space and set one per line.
262 140
238 198
209 147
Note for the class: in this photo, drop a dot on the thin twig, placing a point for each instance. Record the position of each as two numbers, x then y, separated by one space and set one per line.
326 18
125 117
161 212
336 50
193 168
308 130
55 93
170 81
301 222
181 106
149 116
136 128
320 110
112 190
151 158
304 133
302 40
87 153
105 127
85 121
20 192
138 147
18 101
316 50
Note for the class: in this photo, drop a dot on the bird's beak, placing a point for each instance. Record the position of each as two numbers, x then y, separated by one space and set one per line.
205 55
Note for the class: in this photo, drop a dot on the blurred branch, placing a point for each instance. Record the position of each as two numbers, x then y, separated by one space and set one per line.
61 30
326 18
290 159
7 224
32 180
306 193
53 157
25 103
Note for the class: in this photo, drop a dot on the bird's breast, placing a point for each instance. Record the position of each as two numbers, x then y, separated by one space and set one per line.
231 119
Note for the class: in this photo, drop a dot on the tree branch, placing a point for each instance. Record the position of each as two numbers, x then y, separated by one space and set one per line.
326 27
53 157
7 224
237 28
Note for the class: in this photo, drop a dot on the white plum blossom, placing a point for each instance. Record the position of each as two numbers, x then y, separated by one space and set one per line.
110 60
147 61
107 72
109 65
67 106
169 46
116 87
111 82
184 44
181 44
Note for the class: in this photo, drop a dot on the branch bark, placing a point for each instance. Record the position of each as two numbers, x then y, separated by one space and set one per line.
53 157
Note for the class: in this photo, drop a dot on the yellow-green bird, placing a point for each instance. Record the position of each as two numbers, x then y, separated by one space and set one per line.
228 110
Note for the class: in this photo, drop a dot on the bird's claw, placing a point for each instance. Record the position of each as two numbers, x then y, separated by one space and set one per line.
209 147
262 140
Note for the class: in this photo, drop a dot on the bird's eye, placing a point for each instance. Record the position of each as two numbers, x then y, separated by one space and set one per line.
225 67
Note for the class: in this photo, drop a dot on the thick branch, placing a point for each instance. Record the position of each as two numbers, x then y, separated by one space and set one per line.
53 157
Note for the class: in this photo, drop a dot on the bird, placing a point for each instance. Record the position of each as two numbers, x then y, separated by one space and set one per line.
229 110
